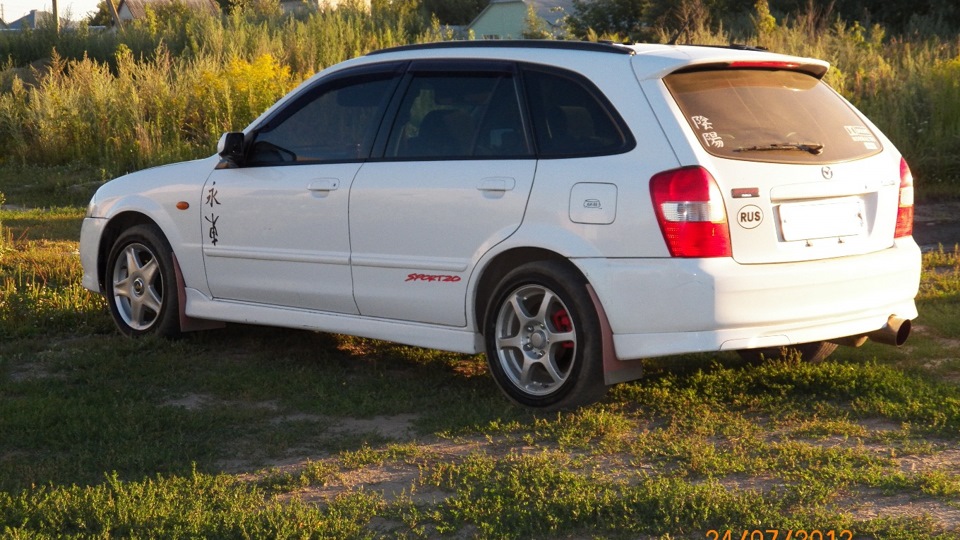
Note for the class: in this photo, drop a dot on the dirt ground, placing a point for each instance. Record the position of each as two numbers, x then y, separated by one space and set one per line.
935 224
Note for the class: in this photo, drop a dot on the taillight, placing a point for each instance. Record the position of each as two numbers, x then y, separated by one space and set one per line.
905 208
691 214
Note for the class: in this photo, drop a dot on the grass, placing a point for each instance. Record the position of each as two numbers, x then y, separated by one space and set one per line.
260 432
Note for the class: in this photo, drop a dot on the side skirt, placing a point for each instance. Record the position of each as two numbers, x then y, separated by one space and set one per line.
459 340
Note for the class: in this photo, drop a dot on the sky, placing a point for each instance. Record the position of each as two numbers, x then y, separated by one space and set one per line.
78 9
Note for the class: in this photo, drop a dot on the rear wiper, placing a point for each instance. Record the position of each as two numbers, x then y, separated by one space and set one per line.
813 148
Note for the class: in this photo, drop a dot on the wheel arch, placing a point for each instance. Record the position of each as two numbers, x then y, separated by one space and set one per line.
113 230
614 370
499 266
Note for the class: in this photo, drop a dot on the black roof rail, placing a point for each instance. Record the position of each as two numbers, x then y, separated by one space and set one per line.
607 46
732 46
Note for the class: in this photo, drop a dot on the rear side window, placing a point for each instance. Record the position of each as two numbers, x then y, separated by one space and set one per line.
460 115
770 115
571 117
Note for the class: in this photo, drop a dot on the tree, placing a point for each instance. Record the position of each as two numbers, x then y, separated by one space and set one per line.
102 16
643 20
622 17
457 12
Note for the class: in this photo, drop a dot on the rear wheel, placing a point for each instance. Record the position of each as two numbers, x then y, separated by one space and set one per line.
141 284
543 338
814 352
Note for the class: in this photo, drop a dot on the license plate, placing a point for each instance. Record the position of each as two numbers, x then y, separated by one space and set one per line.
809 221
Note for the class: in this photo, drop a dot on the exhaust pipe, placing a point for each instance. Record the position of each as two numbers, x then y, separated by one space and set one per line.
895 332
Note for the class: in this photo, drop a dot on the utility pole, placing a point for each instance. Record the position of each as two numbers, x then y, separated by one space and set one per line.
113 13
56 18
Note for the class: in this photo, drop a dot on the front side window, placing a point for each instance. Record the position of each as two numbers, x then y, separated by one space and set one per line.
463 115
571 118
334 122
767 115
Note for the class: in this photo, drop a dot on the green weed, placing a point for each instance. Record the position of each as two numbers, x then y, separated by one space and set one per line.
260 432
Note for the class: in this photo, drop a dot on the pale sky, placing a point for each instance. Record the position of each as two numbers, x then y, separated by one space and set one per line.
77 9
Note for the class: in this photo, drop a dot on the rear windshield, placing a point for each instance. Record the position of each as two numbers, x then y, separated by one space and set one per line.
770 115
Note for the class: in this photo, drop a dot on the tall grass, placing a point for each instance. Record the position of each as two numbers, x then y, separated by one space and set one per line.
165 88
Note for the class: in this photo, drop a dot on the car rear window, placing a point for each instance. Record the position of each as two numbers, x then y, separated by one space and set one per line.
770 115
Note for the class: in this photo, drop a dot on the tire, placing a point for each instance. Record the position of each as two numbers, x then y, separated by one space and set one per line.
812 353
543 338
141 284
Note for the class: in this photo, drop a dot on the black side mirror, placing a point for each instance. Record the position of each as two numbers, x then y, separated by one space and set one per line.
230 148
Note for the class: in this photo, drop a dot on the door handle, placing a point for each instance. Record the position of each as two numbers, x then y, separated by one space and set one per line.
324 184
497 183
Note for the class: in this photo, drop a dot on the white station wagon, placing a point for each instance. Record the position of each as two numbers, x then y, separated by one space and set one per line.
566 207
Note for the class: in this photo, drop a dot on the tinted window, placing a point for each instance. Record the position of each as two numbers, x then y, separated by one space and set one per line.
459 115
766 115
570 118
335 122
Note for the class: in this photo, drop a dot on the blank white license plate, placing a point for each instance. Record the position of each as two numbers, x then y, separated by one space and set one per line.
809 221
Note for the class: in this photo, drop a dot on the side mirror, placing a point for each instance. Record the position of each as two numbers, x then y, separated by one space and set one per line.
230 147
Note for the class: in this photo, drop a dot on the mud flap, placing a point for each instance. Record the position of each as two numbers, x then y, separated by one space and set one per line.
614 370
187 323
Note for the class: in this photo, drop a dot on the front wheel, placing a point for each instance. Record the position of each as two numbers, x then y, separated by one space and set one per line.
543 338
141 284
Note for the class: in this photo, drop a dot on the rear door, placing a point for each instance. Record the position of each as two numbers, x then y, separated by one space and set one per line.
803 175
455 172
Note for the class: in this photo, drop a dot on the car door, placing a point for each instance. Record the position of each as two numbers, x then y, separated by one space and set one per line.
276 225
456 170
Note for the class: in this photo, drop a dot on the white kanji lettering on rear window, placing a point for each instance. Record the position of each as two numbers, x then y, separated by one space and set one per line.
713 139
701 122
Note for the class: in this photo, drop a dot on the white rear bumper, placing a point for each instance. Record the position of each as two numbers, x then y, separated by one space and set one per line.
660 307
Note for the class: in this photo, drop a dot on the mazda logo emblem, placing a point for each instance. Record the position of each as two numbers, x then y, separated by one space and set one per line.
827 172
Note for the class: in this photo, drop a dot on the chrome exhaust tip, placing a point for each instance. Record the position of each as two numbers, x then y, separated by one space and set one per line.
895 332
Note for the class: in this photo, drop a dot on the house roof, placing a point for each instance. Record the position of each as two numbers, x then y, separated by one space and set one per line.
30 20
138 8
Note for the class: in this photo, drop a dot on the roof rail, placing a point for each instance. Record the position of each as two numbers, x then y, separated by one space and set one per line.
606 46
734 46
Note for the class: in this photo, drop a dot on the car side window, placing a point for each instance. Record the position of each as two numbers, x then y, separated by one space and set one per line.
335 122
459 115
571 118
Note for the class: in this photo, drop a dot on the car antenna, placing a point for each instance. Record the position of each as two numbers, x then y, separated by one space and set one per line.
683 28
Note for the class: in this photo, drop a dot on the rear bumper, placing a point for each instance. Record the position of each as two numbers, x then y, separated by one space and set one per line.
659 307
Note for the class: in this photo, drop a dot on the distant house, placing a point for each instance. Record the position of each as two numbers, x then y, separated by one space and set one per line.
32 20
130 10
507 19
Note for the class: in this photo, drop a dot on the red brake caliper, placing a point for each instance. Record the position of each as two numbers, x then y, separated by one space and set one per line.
561 321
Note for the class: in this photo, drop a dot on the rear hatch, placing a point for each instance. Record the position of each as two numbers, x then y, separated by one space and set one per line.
803 176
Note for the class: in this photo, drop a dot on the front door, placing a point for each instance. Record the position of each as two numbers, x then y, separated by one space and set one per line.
276 228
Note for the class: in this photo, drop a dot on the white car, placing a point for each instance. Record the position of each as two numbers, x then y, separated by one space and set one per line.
567 207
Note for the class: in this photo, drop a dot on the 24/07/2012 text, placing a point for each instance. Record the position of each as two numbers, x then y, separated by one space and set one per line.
777 534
